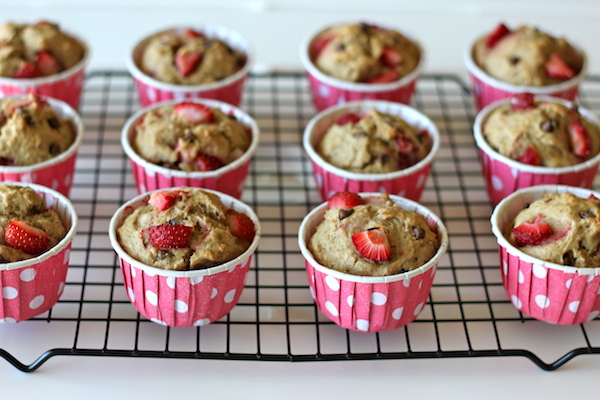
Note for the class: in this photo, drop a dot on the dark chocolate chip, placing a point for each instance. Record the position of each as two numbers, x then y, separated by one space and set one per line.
359 134
587 214
55 149
514 60
189 137
382 158
29 120
418 232
345 213
232 117
549 125
568 258
54 123
340 47
174 222
7 161
161 255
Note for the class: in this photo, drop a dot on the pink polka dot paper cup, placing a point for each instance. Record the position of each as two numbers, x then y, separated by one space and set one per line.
31 287
328 91
183 298
229 179
543 290
408 182
56 173
487 89
504 175
370 304
229 90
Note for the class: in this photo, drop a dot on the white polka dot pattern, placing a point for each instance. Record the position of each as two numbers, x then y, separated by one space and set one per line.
9 293
331 308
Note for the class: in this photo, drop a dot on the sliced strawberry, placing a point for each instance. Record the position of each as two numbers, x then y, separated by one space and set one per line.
27 70
592 197
22 236
391 57
240 224
530 157
208 163
194 112
46 64
557 68
320 42
25 102
349 118
186 62
192 33
168 236
163 200
405 145
373 244
498 33
344 200
385 77
522 101
532 233
580 139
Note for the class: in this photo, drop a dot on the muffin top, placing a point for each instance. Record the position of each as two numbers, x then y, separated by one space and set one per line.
32 51
188 57
190 137
373 143
27 227
185 229
542 133
364 53
527 56
559 228
31 132
371 237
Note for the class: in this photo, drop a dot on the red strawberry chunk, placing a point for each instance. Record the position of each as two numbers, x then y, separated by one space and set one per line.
557 68
405 145
22 236
192 33
163 200
385 77
530 157
349 118
240 224
320 43
522 101
194 112
26 102
373 244
391 57
168 236
27 70
345 200
186 62
580 139
498 33
532 233
208 163
46 64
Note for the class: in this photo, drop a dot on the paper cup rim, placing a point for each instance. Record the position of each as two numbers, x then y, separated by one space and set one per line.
229 201
357 86
127 134
72 115
362 106
62 244
531 193
402 202
483 76
482 143
138 74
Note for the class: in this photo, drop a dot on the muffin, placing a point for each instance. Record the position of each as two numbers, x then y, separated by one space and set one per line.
548 244
395 244
184 253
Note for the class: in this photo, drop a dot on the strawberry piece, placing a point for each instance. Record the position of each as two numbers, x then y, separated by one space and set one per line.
46 64
580 139
168 236
320 43
194 112
494 37
373 244
26 102
22 236
208 163
186 62
27 70
344 200
391 57
349 118
405 145
385 77
240 224
192 33
163 200
530 157
557 68
592 197
532 233
522 101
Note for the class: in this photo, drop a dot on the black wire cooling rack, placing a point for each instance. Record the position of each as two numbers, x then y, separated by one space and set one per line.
467 315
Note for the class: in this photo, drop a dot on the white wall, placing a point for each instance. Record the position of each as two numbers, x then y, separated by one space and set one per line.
276 27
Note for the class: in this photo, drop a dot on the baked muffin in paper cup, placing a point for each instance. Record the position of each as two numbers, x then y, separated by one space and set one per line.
328 91
229 179
504 175
546 291
229 90
183 298
366 303
487 89
408 182
33 286
58 172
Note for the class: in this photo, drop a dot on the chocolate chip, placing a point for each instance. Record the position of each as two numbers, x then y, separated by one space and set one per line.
340 47
587 214
189 137
514 60
161 255
29 120
232 117
359 134
568 258
575 108
54 123
549 125
55 149
418 232
7 161
382 158
174 222
346 213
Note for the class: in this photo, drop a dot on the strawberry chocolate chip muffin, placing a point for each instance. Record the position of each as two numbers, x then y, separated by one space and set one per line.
185 230
28 227
371 237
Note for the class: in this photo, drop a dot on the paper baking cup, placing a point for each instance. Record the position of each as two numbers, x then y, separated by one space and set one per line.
183 298
409 182
66 86
504 175
229 179
228 90
486 89
56 173
31 287
543 290
370 304
328 91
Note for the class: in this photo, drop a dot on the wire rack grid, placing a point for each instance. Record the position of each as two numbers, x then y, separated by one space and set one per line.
467 315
